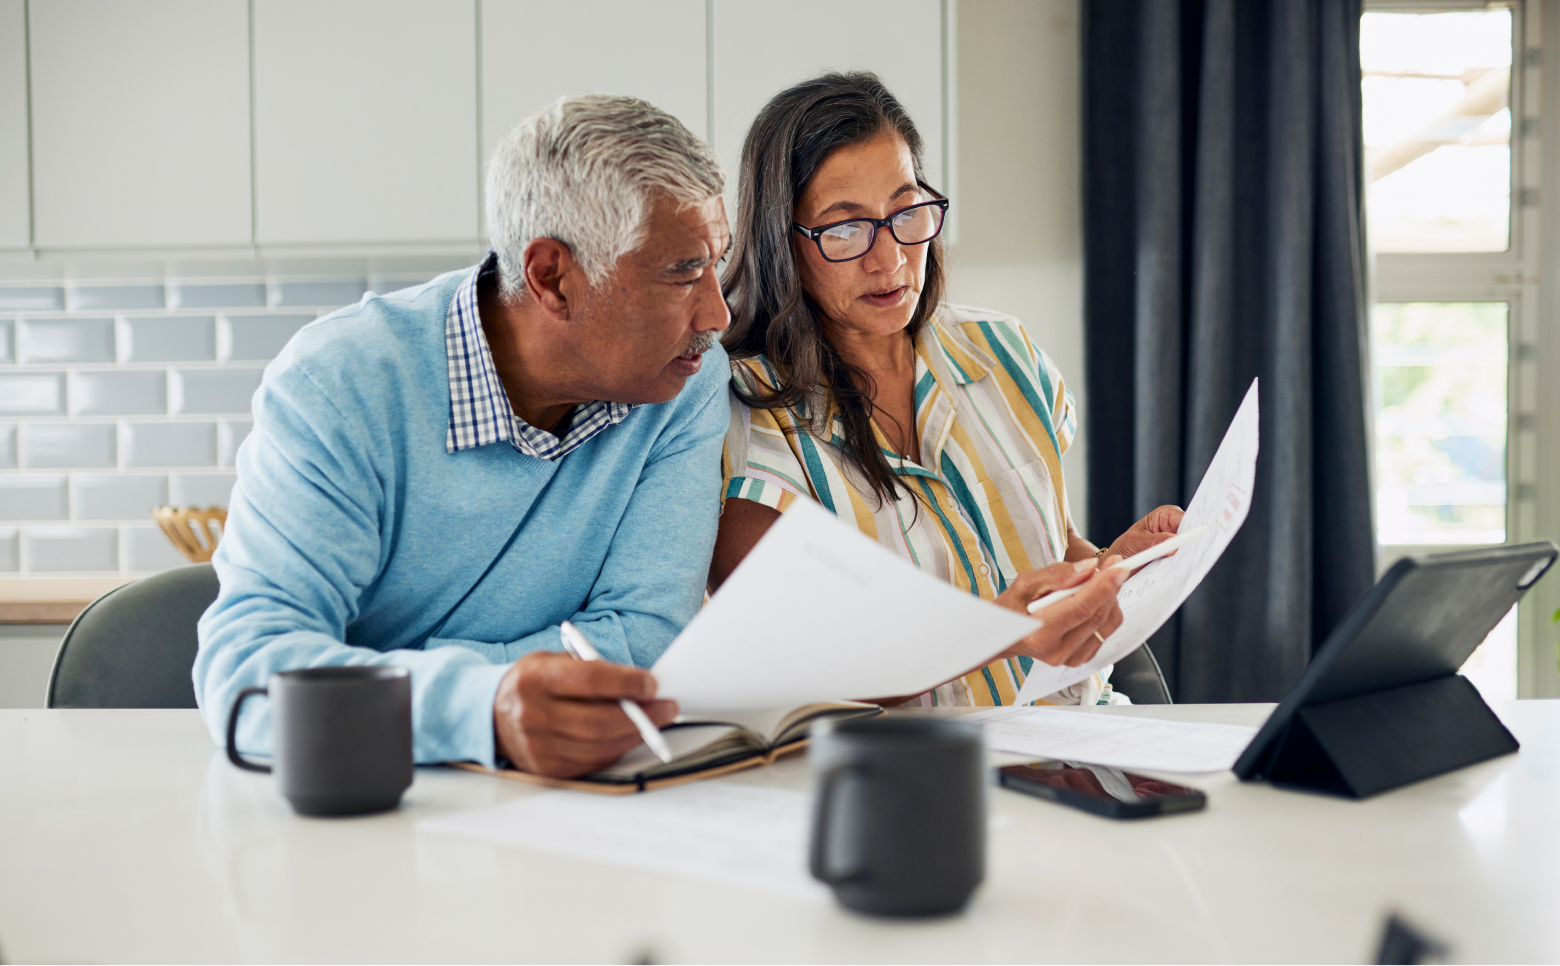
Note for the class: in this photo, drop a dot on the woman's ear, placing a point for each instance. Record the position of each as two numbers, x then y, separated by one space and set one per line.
548 267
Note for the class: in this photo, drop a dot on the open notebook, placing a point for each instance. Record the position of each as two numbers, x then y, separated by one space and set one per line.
703 746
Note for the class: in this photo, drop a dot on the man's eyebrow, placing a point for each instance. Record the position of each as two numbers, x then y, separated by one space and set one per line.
686 266
849 207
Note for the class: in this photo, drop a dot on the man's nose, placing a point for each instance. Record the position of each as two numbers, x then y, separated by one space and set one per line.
710 312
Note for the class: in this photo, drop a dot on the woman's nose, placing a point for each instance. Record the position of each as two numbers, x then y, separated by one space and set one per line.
886 254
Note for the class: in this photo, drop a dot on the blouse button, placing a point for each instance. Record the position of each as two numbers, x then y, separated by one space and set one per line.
984 570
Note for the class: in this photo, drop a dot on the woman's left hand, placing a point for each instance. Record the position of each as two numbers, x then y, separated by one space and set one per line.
1160 525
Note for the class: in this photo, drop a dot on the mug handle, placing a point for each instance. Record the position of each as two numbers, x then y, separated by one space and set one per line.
232 733
823 807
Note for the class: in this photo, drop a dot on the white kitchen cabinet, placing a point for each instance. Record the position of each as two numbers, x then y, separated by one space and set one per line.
140 123
535 51
15 195
762 47
365 121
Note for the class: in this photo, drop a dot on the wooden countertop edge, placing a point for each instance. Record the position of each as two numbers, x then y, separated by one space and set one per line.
41 612
51 600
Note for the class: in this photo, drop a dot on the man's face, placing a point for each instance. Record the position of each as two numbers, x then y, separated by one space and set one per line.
644 331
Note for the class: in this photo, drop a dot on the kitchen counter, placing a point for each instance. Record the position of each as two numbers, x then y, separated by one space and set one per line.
51 600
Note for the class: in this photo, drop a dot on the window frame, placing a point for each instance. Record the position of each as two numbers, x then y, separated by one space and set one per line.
1512 276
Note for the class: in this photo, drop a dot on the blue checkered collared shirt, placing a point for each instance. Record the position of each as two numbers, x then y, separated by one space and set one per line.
479 408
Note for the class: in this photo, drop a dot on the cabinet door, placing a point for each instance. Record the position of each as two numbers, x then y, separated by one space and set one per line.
15 196
365 121
533 54
762 47
140 122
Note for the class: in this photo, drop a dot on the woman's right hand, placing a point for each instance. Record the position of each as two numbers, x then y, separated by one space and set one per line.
1073 628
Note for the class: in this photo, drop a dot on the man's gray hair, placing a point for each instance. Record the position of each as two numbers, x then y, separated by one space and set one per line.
587 171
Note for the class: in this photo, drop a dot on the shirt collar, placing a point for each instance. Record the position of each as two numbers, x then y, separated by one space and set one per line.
480 413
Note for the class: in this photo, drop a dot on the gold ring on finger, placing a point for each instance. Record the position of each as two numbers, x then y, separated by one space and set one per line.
1097 637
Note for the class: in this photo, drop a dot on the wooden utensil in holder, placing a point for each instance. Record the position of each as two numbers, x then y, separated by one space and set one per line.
194 531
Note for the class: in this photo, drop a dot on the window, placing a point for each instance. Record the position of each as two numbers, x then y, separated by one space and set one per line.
1453 236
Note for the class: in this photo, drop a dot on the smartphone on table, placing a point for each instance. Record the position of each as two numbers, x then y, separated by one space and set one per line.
1099 789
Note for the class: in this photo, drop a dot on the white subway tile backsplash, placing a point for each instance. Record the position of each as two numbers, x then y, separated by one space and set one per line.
117 497
258 337
31 299
33 498
234 432
152 445
172 338
203 391
157 377
316 293
146 548
240 296
65 340
118 393
202 489
32 393
91 298
74 549
67 445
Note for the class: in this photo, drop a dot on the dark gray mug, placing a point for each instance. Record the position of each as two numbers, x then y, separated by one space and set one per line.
899 817
342 737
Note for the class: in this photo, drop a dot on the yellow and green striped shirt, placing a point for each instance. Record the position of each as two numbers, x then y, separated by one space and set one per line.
993 418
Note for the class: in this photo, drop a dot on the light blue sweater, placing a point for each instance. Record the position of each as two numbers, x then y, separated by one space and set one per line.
351 531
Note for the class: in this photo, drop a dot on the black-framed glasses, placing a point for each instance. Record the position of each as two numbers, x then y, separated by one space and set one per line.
843 241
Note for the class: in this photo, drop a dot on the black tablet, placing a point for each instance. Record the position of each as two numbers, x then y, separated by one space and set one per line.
1418 624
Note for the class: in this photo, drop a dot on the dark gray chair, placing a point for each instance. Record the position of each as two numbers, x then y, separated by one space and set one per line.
1138 677
134 646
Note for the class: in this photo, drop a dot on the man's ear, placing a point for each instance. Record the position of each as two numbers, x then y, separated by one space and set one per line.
551 275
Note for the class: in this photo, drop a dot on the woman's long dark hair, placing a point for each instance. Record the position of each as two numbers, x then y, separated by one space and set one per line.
771 315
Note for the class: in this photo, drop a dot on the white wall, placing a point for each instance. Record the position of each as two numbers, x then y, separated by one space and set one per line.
1020 243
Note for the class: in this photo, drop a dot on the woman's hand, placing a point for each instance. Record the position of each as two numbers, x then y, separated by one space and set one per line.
1160 525
1073 628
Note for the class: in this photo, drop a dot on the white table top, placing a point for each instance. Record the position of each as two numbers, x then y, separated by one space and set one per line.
125 836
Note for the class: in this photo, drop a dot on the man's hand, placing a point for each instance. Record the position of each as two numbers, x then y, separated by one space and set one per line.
559 717
1160 525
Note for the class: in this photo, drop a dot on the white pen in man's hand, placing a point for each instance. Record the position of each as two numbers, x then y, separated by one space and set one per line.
579 648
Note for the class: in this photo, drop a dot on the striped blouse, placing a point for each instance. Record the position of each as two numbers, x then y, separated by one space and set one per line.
993 418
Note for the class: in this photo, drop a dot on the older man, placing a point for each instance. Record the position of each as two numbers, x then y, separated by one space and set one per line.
438 477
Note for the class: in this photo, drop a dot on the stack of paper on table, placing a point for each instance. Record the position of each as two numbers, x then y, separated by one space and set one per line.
1119 741
726 833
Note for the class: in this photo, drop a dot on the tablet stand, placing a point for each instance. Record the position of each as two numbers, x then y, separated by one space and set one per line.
1372 742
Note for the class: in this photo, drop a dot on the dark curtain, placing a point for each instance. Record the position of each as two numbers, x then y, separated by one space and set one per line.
1224 240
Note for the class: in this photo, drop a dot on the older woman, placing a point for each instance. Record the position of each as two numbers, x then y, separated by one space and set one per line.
938 430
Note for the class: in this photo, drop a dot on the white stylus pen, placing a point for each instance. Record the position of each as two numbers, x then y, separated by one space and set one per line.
577 646
1131 563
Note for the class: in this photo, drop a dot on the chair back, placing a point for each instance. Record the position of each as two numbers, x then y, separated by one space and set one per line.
1138 677
135 646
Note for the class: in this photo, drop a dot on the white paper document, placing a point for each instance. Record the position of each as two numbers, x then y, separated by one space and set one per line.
730 834
1120 741
1154 593
819 612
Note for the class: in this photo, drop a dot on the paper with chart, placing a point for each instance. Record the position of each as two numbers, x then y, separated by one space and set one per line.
819 612
727 833
1119 741
1154 593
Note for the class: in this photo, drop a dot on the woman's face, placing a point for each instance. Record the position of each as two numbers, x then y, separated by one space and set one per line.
877 293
